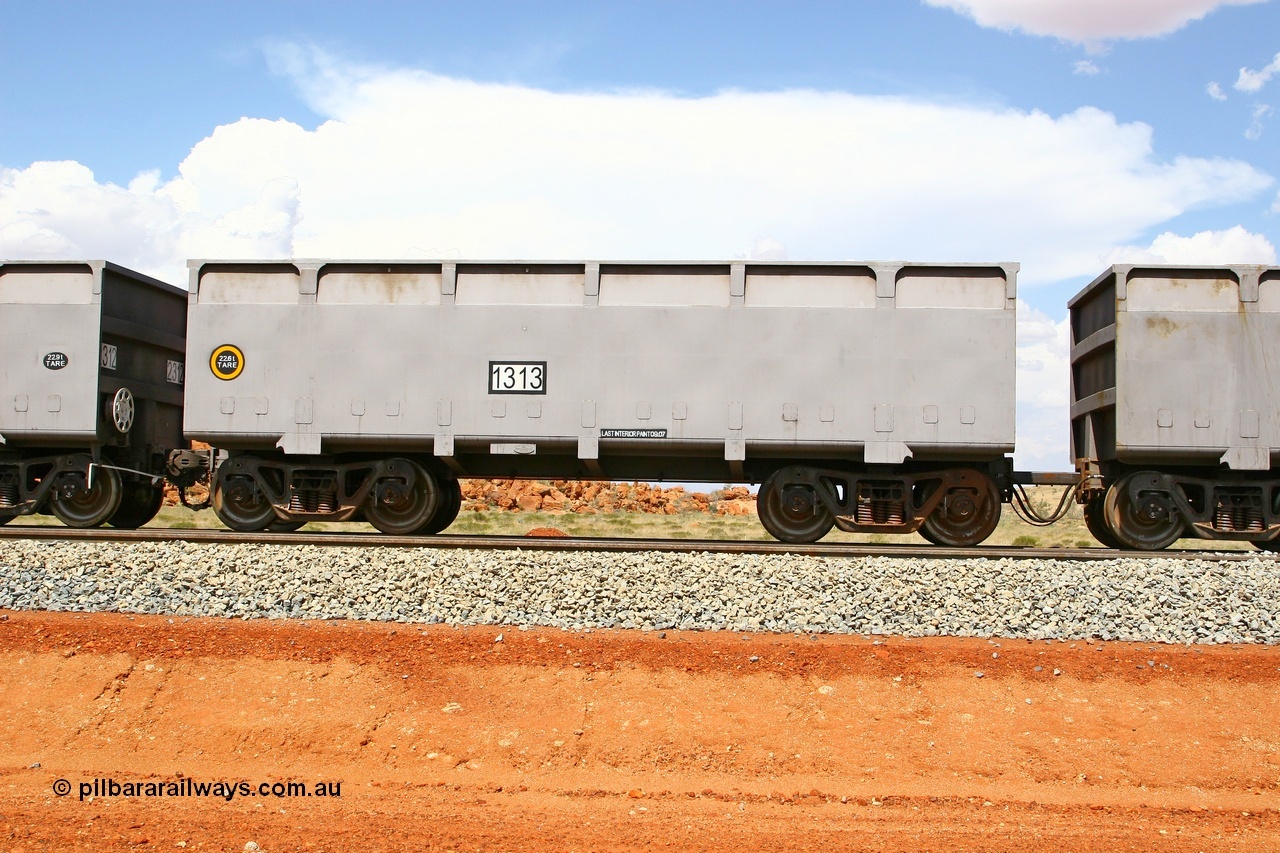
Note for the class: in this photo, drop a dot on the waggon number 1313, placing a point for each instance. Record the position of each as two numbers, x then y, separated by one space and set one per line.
517 377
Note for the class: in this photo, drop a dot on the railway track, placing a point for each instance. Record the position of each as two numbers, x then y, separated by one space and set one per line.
537 543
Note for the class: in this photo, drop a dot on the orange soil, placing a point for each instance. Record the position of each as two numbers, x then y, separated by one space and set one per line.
447 739
548 533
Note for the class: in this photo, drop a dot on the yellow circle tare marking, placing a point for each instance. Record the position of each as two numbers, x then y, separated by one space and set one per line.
227 362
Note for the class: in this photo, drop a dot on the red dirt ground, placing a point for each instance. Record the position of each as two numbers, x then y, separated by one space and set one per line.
548 532
446 739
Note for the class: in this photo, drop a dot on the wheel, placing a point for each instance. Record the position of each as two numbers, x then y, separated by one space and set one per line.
1095 519
5 519
1260 544
1151 524
240 504
90 507
400 509
450 505
967 514
140 503
792 512
282 526
929 536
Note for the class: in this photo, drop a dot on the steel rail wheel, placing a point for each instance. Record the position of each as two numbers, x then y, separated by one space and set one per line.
404 500
967 514
1150 524
140 503
929 536
450 505
1095 518
90 507
240 505
792 512
282 526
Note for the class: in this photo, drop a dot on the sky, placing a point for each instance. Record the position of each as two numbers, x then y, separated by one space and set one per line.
1065 135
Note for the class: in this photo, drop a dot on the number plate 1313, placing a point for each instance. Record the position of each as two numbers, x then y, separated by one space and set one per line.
517 377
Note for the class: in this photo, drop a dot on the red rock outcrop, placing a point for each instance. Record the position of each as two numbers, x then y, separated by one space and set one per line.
591 497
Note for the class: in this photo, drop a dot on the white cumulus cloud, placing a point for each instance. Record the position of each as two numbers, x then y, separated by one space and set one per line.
1087 21
1215 92
1259 114
1232 246
1252 81
58 210
409 164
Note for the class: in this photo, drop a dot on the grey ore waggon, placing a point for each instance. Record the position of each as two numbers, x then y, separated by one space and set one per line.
1175 404
876 397
91 380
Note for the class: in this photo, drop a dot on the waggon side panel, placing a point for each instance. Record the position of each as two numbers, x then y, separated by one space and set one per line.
401 355
49 353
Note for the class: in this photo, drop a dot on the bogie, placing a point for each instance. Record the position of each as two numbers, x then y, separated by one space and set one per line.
88 500
967 514
240 504
404 500
792 511
1140 514
450 506
140 503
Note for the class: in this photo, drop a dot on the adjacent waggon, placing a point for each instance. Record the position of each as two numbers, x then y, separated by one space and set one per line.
1175 404
92 362
876 397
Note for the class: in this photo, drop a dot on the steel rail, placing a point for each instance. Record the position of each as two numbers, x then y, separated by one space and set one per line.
538 543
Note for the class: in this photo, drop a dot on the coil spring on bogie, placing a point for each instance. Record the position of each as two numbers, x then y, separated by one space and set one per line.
879 512
313 500
8 493
1238 511
882 502
1238 519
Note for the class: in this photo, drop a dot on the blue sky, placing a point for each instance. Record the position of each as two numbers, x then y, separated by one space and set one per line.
1065 134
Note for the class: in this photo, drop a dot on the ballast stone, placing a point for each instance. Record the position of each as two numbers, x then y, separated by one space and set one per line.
1151 599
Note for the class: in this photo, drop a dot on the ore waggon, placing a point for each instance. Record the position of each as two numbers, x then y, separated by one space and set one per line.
1175 404
92 360
873 396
